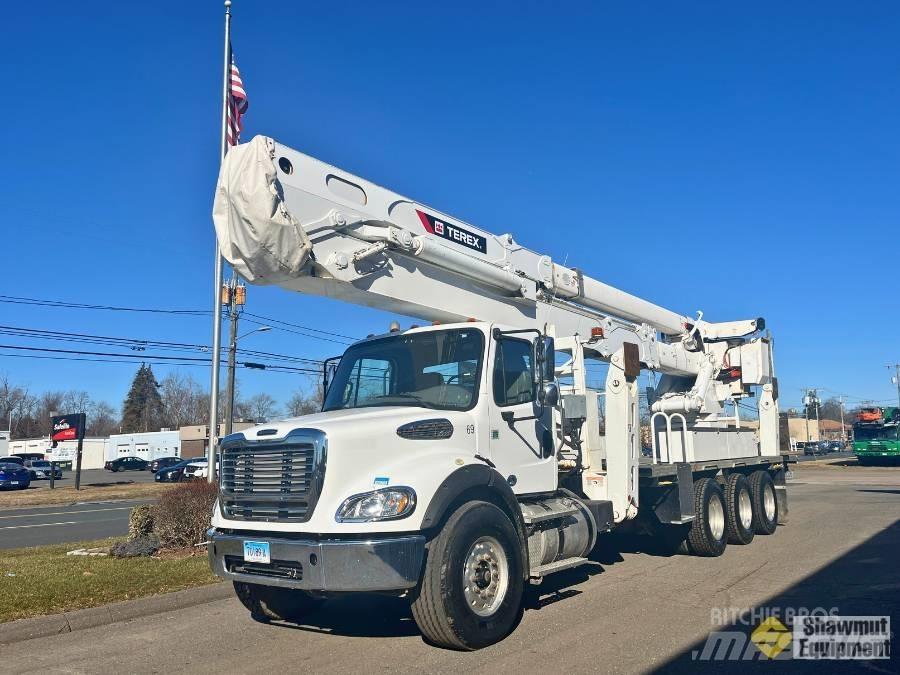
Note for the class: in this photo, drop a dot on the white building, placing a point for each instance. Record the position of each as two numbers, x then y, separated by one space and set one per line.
147 446
93 451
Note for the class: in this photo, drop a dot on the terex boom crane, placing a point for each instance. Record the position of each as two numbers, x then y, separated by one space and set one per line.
457 461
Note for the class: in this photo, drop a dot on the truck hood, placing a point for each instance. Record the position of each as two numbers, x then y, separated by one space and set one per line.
364 452
339 419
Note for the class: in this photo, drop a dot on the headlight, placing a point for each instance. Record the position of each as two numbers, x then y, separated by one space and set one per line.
385 504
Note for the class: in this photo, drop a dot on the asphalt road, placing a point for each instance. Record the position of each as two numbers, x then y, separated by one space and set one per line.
95 477
38 525
630 611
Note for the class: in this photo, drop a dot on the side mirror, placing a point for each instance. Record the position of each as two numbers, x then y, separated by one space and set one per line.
549 394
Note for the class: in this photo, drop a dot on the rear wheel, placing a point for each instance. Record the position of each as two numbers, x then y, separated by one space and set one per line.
765 505
739 509
268 603
707 536
470 595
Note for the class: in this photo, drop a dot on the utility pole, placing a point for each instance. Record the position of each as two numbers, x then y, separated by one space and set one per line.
896 379
235 296
843 429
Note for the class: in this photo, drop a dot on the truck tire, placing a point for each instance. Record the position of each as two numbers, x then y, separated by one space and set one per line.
471 591
268 603
738 509
707 537
765 505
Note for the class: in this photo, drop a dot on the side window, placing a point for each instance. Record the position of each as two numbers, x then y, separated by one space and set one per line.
369 379
513 372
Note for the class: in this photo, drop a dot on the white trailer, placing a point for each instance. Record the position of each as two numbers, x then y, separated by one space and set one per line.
455 462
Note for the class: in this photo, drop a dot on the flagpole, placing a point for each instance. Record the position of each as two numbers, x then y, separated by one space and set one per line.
217 283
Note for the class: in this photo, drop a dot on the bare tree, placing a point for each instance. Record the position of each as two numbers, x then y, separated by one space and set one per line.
306 401
75 402
184 401
262 407
102 419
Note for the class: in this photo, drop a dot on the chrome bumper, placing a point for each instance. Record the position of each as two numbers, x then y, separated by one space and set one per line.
391 563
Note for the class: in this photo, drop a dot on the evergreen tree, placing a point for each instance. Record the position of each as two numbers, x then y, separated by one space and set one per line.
143 407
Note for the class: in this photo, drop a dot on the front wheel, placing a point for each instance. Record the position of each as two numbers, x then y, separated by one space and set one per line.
471 591
269 603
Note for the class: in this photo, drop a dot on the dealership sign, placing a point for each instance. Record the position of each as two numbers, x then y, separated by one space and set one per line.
67 428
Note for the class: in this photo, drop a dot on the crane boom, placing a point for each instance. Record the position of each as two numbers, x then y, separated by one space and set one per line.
288 219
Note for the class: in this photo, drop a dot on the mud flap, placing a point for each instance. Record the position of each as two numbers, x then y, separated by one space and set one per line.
781 497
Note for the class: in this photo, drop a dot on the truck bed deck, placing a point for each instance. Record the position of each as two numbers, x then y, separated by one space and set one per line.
648 470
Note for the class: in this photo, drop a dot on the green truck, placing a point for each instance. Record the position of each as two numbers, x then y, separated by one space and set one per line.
878 441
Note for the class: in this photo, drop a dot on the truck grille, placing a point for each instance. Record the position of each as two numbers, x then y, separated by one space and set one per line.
272 480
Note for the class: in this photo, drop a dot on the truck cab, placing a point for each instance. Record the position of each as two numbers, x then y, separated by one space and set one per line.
413 421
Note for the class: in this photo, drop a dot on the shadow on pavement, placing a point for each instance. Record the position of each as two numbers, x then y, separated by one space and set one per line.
384 616
862 582
375 616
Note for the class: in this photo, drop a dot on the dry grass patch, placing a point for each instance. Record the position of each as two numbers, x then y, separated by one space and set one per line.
44 580
69 495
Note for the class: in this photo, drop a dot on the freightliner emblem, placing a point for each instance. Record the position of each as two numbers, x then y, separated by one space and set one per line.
453 233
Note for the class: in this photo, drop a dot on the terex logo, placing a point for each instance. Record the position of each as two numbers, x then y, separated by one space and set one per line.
453 232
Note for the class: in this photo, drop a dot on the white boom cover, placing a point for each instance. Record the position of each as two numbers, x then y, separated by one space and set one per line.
257 234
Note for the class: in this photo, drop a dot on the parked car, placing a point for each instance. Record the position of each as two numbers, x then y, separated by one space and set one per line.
811 448
836 446
196 470
162 462
126 464
14 475
824 447
174 473
41 468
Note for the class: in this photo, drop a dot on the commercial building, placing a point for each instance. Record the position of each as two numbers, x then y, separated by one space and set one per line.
195 439
147 445
93 453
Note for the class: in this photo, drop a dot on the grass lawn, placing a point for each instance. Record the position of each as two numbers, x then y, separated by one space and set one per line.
47 581
68 495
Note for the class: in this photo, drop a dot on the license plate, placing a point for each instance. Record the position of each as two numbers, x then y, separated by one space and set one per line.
256 551
13 482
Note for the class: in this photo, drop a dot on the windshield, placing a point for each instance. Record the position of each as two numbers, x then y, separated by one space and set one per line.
9 466
437 369
41 464
876 434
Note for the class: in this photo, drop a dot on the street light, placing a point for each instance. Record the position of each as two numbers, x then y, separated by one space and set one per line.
232 356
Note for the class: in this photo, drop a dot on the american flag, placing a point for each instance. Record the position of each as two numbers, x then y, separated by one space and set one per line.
237 104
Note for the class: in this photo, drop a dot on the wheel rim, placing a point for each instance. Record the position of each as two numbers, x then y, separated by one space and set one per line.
745 509
716 518
485 576
769 502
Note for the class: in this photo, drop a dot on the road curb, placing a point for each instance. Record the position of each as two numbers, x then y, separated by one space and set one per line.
68 622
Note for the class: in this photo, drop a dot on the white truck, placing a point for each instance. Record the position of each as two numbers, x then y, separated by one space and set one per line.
457 461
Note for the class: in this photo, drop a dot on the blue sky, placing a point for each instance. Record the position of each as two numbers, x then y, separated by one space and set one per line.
739 160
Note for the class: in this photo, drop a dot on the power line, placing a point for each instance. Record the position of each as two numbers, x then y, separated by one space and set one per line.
161 359
268 368
137 344
297 325
316 333
15 300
